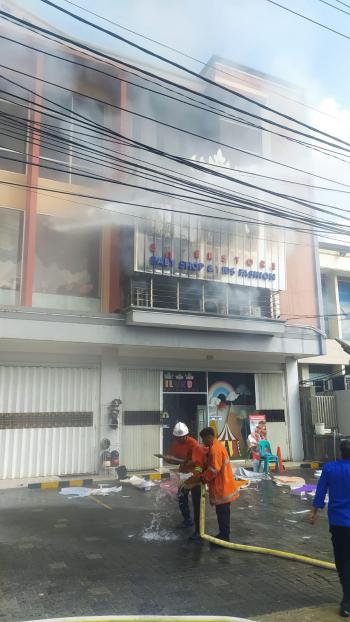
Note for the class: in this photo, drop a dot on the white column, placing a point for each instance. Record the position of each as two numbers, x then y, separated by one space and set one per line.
332 306
293 410
110 389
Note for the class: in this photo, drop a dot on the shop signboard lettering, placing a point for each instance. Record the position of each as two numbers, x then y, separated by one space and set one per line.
190 247
184 382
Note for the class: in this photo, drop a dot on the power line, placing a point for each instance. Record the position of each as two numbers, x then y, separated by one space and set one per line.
331 5
242 151
183 54
308 19
259 206
74 144
49 191
242 204
343 3
236 181
177 65
109 200
172 157
174 127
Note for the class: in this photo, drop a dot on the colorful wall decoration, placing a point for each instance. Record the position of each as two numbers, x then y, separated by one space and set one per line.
231 396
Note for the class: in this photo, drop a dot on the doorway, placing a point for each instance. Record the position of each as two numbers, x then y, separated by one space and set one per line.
191 409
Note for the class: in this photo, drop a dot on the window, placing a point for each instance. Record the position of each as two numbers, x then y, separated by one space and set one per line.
13 129
246 135
67 265
344 304
11 227
325 301
66 143
173 113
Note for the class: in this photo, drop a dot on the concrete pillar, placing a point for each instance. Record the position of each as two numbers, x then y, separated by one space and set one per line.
304 371
110 389
293 410
331 305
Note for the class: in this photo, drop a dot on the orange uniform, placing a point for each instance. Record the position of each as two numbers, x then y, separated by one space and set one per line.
223 488
188 450
193 458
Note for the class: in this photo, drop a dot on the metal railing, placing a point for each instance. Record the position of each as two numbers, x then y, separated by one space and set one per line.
218 299
325 411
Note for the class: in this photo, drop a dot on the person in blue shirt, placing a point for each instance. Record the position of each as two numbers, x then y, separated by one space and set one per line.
335 480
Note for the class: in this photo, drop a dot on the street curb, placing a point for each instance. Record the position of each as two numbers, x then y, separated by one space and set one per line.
61 484
57 484
312 465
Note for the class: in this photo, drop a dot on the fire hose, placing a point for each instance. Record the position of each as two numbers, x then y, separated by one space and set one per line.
256 549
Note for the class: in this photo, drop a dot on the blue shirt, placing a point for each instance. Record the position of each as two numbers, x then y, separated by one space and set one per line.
335 480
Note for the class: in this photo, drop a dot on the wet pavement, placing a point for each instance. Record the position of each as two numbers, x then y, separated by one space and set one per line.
63 556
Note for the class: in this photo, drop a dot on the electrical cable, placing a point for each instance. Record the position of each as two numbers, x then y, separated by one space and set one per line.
126 81
108 199
177 65
332 6
175 158
254 155
79 173
230 197
343 3
188 56
326 152
79 115
244 183
308 19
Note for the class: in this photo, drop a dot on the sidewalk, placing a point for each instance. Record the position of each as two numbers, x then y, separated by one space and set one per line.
326 613
8 484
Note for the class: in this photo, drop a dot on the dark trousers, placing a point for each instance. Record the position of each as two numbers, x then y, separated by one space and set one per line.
185 508
223 513
341 546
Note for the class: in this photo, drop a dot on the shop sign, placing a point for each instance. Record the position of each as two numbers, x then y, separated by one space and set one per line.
184 382
185 246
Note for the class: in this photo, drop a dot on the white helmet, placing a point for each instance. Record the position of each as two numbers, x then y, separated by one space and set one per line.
180 429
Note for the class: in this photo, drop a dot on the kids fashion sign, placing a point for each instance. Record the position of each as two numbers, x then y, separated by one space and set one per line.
187 246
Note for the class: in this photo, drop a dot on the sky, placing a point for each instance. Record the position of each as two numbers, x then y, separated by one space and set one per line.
250 32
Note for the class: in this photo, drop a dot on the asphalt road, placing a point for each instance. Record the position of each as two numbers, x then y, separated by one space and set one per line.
78 556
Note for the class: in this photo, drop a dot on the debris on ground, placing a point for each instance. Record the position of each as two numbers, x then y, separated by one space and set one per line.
242 473
76 491
287 480
104 491
138 482
305 489
82 491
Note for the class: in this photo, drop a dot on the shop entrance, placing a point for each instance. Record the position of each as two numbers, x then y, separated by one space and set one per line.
191 409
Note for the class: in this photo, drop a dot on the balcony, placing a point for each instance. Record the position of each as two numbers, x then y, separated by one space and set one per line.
201 305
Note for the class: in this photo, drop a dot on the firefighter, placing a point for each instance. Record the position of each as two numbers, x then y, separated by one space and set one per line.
190 456
223 488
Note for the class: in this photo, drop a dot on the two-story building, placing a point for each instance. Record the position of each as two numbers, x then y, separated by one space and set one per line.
110 291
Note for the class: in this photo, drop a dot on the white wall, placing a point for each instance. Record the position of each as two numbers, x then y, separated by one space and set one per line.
141 392
293 410
110 389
